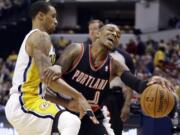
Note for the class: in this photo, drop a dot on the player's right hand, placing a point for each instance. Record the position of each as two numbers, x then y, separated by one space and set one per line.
85 109
163 81
51 73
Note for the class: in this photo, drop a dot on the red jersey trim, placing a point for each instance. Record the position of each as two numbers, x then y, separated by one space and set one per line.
90 61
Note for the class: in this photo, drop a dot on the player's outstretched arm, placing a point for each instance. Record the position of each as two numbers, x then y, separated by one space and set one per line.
121 70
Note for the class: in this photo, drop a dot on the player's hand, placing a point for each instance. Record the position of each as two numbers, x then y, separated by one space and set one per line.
125 112
51 73
164 82
74 106
86 109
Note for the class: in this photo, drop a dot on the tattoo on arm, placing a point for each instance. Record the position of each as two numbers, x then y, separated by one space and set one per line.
41 44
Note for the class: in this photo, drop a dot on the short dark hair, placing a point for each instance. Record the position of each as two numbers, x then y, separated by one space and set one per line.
96 21
39 6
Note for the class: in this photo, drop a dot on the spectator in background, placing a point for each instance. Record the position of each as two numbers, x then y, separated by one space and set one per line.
12 56
162 43
131 47
5 83
93 28
151 46
170 49
177 39
159 57
60 44
141 48
145 66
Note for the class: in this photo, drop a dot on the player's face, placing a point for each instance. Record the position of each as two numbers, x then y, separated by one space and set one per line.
110 36
93 30
51 20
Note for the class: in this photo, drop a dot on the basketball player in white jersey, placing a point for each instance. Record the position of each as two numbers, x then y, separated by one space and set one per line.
27 110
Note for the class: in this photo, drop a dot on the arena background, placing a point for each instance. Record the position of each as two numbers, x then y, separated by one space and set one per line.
145 25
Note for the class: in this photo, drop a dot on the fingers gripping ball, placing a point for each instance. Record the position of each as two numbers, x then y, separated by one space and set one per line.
157 102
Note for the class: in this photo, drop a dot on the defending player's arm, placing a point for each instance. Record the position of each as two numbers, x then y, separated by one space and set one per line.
121 70
38 48
68 103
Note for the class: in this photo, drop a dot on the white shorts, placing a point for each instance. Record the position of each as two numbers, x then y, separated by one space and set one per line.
31 118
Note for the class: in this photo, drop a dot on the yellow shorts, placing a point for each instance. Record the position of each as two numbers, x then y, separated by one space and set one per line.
31 115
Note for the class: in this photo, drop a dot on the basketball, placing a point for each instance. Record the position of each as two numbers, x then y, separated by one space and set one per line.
156 102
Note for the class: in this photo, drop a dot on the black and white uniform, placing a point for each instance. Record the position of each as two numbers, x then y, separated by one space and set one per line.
93 83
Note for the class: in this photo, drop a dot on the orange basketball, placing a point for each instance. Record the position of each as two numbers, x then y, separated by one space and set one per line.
157 102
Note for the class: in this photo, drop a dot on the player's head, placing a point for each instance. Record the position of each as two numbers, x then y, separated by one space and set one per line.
109 36
44 14
94 26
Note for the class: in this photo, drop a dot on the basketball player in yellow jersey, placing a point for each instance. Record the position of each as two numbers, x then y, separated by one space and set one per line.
26 109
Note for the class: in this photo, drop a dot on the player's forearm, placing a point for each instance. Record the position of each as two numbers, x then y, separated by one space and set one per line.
128 95
133 82
61 86
59 101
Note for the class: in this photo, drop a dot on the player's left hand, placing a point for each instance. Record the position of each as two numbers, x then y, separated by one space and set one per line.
125 112
164 82
86 109
76 106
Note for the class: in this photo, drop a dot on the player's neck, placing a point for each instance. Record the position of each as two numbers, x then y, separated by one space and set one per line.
98 52
36 25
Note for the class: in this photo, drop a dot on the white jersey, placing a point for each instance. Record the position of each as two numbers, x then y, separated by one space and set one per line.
26 76
27 111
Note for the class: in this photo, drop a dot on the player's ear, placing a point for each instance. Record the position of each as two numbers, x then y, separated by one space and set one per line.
98 34
40 15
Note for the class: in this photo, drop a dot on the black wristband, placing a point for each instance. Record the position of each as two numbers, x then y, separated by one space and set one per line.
90 113
133 82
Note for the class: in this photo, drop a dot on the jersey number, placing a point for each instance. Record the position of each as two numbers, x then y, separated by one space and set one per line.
96 98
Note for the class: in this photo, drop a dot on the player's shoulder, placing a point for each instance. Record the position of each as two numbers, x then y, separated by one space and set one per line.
75 47
39 40
39 34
